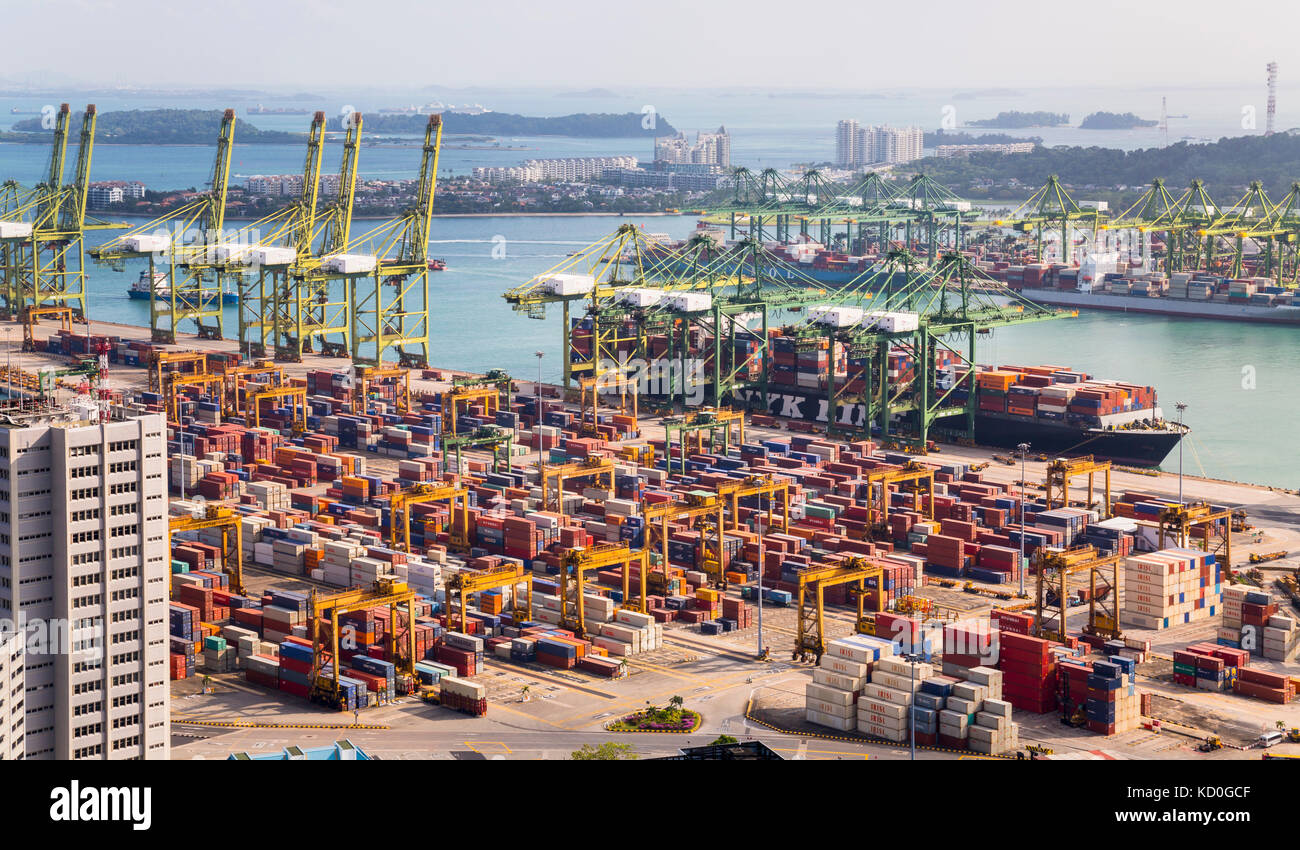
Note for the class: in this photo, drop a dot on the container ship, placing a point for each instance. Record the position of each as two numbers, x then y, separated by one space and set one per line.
139 291
1055 409
1199 295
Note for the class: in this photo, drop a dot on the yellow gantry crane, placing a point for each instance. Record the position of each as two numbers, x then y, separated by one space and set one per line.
573 580
223 518
164 363
400 507
31 317
321 610
297 399
464 585
758 486
191 286
398 319
599 468
810 640
1054 568
368 377
179 383
913 473
45 263
1177 522
1061 471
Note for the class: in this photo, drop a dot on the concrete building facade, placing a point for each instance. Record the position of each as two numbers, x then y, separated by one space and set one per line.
84 563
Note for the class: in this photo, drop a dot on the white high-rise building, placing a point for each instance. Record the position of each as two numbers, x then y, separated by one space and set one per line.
709 149
847 135
84 559
13 715
856 145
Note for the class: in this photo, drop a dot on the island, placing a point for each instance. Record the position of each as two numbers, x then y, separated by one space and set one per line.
597 125
1014 120
156 127
1115 121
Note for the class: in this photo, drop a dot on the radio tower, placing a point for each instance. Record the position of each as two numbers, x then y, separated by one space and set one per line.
1272 98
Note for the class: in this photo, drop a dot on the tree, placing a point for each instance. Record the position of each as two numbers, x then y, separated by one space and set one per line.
724 740
608 751
676 702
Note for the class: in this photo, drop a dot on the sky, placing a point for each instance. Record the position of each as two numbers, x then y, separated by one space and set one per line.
406 45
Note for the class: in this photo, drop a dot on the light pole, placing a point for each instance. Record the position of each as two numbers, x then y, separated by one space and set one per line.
1181 407
1023 448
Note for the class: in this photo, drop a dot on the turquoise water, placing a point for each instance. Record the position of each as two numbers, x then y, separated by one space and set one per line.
1238 433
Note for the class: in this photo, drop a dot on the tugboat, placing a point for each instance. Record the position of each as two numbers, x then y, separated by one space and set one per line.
437 265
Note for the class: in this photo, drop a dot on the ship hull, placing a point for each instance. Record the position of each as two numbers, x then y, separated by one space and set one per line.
227 298
1132 448
1166 306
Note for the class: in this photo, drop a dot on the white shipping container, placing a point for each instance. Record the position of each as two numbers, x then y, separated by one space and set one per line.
831 708
823 693
568 284
350 263
15 230
689 302
271 255
147 243
841 724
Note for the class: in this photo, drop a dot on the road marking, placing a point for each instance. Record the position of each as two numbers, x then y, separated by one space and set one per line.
474 745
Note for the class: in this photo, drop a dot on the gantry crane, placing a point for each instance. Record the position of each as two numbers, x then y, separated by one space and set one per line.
599 468
228 522
297 396
573 580
1061 470
757 486
1054 568
810 639
195 272
178 383
457 397
1177 521
20 248
399 505
163 363
491 437
699 505
389 592
31 317
367 377
46 266
400 320
692 427
465 584
913 473
317 306
589 389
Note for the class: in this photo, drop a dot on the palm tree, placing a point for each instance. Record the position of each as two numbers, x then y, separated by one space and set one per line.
676 702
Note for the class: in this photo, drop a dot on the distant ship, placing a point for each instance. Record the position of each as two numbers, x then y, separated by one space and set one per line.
139 291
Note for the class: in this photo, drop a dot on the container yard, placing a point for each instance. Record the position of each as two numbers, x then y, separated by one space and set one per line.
338 560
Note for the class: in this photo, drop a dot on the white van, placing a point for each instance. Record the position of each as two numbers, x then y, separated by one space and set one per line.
1268 739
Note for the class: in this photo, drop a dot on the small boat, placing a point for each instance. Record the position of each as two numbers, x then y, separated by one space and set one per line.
139 291
437 265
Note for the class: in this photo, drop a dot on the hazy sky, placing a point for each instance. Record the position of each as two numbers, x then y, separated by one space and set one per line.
409 44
